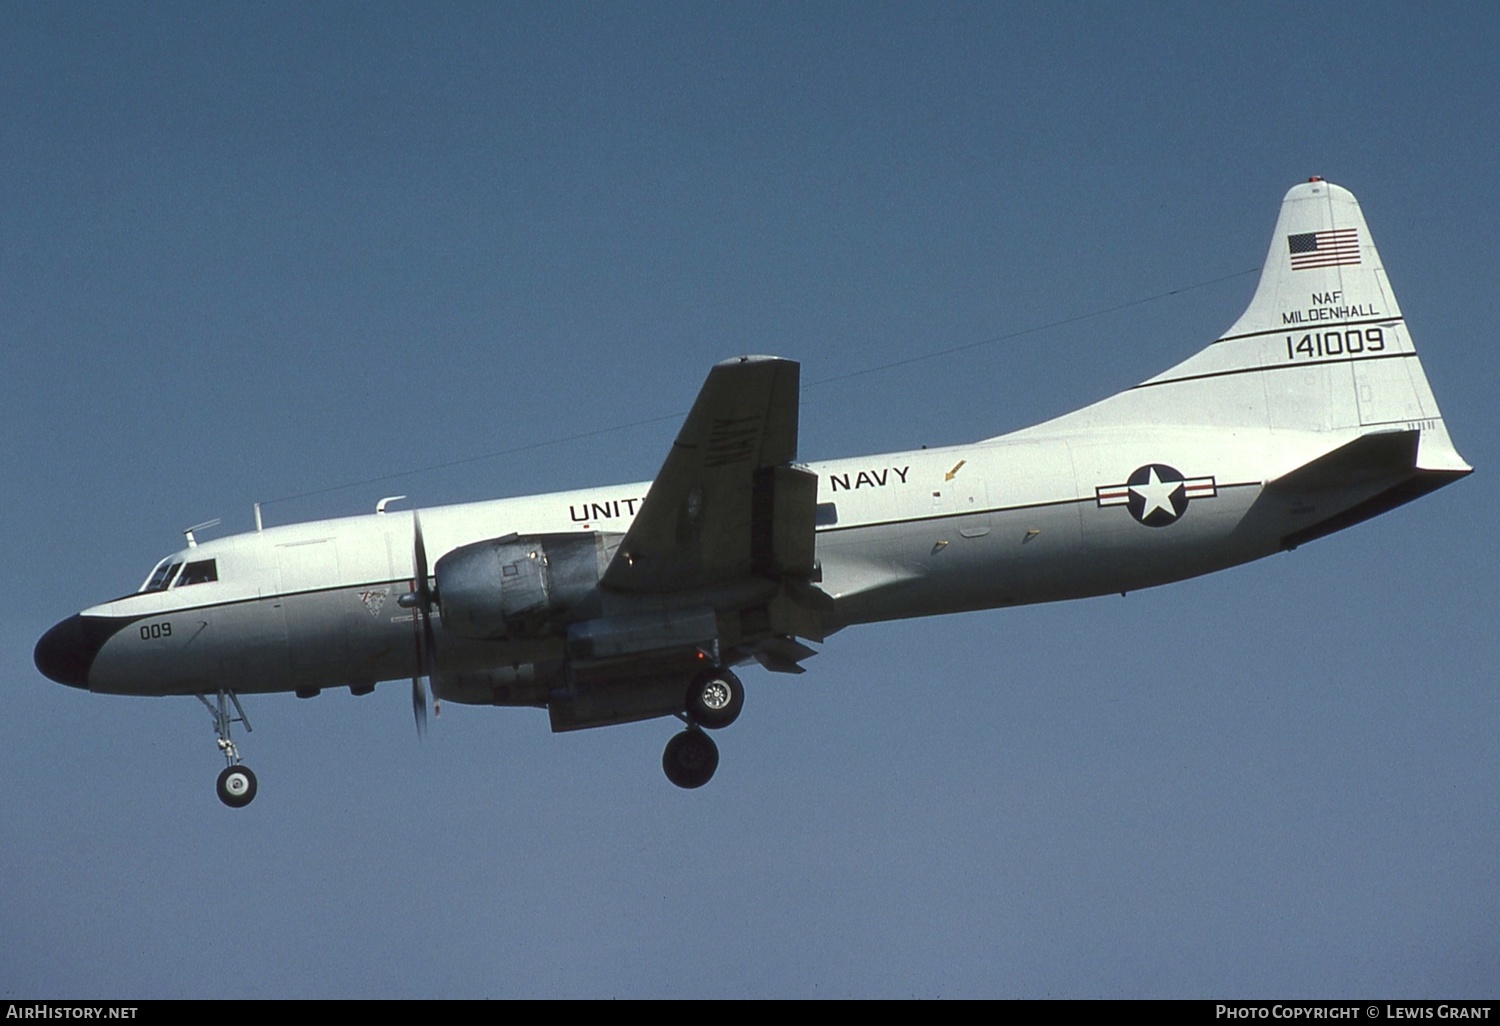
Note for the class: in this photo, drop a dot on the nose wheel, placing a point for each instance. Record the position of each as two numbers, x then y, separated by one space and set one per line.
236 785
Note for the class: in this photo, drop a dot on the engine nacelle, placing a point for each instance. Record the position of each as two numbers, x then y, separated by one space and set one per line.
511 586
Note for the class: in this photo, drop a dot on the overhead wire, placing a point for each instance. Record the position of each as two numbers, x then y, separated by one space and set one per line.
831 379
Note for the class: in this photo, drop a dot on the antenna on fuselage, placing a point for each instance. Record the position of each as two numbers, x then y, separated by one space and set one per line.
258 526
380 506
193 542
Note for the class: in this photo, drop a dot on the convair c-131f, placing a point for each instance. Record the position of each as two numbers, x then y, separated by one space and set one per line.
614 604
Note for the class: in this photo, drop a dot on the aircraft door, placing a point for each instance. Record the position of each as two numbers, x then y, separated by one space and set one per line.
313 608
255 638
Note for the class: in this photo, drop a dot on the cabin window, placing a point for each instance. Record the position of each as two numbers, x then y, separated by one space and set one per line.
827 514
201 572
162 575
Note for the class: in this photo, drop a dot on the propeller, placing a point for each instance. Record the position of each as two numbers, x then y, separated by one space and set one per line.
421 600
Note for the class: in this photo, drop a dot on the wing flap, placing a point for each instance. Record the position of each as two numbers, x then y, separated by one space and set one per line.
782 654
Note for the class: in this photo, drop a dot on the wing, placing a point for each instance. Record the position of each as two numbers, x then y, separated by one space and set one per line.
727 507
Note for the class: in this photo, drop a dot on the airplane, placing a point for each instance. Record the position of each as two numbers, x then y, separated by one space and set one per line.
623 603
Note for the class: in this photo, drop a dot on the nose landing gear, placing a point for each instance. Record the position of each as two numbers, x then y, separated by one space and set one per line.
236 785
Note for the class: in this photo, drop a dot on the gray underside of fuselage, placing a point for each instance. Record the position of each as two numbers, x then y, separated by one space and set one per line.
1043 553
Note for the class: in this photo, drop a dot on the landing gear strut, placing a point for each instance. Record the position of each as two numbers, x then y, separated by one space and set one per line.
236 785
714 700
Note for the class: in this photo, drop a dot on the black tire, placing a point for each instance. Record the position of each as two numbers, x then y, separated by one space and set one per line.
714 699
690 759
236 786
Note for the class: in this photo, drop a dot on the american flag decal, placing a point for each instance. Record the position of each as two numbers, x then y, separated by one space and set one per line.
1333 248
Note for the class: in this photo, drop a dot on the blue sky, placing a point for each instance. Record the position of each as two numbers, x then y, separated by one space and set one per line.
254 252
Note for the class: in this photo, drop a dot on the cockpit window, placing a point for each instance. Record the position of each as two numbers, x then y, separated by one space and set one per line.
162 576
198 573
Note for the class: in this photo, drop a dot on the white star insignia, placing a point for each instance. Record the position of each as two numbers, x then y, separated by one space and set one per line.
1157 494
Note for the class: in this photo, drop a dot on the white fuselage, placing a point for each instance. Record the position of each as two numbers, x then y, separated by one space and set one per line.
997 523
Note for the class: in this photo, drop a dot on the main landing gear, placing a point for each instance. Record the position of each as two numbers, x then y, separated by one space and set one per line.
236 785
714 700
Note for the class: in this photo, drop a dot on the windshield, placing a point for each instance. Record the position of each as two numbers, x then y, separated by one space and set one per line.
162 575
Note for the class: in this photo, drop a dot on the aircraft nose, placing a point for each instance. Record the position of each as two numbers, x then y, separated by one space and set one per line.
66 652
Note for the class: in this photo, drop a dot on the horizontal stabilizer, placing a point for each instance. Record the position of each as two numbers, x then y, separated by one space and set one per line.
1382 466
1368 460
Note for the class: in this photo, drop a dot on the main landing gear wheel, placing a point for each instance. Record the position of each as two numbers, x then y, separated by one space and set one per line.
236 786
690 759
714 699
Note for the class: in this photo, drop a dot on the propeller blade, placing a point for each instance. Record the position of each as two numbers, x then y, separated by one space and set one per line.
426 638
419 562
419 705
429 645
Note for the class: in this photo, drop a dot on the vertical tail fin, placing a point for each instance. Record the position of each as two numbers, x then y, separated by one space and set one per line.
1322 346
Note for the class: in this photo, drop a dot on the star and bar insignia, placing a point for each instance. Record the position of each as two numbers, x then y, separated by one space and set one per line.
1156 494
